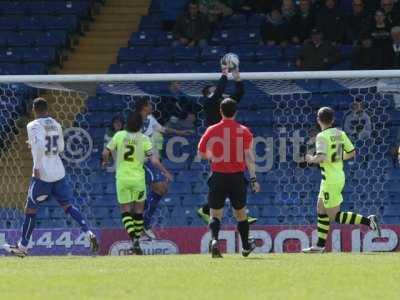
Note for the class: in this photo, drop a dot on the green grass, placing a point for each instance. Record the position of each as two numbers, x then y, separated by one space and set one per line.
269 276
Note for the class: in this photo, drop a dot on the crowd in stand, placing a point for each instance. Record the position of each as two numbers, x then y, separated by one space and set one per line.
320 27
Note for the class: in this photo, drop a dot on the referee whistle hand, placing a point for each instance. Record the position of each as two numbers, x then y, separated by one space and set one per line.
255 187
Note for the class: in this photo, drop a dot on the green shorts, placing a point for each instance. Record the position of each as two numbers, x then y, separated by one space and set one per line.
331 193
129 191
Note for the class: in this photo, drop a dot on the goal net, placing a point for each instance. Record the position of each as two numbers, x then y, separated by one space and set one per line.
279 108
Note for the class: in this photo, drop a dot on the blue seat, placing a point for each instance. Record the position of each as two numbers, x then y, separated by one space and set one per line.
245 53
143 38
10 55
200 188
137 54
180 188
234 21
160 54
248 37
212 53
268 53
101 212
164 38
291 52
150 22
49 39
171 10
45 55
224 38
9 23
68 23
30 23
20 40
35 68
255 20
187 53
11 69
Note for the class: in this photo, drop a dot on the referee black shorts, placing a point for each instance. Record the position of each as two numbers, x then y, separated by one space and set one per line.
227 185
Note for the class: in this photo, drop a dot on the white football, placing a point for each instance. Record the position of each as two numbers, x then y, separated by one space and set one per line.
230 60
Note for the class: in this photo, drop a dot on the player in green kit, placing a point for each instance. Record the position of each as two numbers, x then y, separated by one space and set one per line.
132 149
332 148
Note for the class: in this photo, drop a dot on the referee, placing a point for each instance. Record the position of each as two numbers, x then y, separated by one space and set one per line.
228 145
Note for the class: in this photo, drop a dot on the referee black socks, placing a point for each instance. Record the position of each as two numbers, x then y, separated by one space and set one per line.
215 225
243 228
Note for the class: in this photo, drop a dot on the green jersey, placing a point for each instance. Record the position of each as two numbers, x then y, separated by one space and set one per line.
332 142
131 151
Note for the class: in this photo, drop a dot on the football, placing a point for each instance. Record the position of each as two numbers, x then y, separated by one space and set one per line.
230 60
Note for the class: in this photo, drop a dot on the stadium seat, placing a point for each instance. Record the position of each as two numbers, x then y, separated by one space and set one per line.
143 38
136 54
212 53
164 54
150 22
187 53
234 21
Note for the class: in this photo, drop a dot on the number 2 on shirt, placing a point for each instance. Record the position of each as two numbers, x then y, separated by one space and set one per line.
130 150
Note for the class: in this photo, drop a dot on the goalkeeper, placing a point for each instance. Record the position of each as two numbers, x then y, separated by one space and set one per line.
333 147
214 95
132 148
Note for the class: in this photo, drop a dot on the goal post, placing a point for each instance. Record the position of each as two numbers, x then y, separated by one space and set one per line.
278 107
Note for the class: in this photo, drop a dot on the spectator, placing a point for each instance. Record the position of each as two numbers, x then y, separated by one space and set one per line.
364 55
391 13
380 31
255 6
275 30
288 10
357 122
317 54
192 29
331 22
357 22
302 23
176 106
391 54
214 9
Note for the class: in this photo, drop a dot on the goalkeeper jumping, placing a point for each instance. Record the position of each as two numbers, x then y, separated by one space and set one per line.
214 95
333 147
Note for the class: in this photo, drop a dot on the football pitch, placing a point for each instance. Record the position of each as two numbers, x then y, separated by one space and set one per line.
268 276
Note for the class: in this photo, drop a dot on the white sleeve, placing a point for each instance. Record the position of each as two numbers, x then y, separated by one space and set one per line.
60 139
37 140
157 126
321 145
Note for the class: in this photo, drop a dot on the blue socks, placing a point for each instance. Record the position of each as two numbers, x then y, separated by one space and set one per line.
76 215
27 229
150 207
